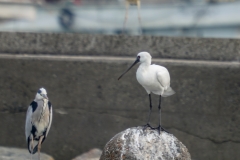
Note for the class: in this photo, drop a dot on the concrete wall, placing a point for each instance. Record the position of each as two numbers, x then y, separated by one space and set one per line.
159 47
91 105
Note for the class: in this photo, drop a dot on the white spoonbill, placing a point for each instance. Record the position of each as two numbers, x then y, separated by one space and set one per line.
38 121
154 79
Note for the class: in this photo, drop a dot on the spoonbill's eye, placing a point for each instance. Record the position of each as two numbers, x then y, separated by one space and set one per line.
138 57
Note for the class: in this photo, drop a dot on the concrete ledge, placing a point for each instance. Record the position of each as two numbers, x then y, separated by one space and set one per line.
80 74
82 44
111 59
89 102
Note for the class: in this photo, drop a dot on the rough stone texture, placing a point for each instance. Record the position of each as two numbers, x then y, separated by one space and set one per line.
93 154
123 45
136 144
7 153
91 106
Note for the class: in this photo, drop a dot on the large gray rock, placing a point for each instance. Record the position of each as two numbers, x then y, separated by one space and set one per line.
7 153
136 143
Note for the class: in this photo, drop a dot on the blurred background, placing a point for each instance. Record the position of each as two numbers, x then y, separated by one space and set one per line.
193 18
77 49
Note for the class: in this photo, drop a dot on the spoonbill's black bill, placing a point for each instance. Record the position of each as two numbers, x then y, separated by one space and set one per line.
137 60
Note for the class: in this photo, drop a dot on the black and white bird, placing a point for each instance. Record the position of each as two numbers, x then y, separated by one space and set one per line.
127 4
38 121
154 79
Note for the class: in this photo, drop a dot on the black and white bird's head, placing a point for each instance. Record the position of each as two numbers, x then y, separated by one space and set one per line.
41 94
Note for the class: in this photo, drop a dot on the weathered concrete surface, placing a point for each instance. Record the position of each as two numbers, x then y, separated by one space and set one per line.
91 106
93 154
7 153
82 44
138 144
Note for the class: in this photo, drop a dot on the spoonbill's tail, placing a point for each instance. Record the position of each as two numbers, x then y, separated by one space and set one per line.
168 92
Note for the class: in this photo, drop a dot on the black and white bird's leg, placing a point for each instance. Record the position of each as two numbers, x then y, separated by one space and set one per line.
139 7
149 114
126 15
160 128
39 146
31 146
139 16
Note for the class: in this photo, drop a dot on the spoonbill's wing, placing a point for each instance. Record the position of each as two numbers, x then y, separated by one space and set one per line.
163 77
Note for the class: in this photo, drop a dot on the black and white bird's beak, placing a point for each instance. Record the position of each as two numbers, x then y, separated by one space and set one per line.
44 96
136 61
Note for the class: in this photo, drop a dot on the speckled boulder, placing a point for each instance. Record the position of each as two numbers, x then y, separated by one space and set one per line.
136 144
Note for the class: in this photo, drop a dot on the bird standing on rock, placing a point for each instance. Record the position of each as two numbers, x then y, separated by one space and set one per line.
154 79
38 122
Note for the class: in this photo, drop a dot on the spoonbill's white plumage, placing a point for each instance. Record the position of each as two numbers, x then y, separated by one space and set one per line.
38 121
154 79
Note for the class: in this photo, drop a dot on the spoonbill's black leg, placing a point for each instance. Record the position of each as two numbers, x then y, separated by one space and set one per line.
160 128
149 115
